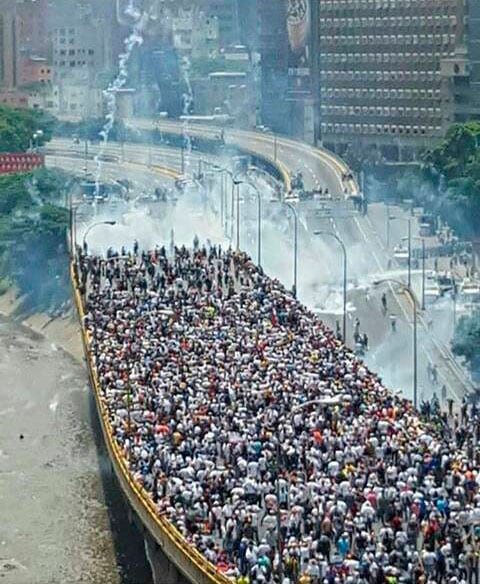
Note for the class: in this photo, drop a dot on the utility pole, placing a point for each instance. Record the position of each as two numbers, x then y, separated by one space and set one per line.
86 156
409 253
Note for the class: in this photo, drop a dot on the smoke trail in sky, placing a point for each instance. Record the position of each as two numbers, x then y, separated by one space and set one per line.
135 38
187 103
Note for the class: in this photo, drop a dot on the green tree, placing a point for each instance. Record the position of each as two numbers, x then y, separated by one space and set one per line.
18 126
14 193
466 341
33 231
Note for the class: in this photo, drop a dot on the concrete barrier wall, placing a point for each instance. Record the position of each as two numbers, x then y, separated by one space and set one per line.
158 531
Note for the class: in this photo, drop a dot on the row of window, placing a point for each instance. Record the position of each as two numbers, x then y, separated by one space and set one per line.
378 4
71 52
388 39
63 31
380 129
409 112
392 21
388 5
364 93
411 58
73 63
335 75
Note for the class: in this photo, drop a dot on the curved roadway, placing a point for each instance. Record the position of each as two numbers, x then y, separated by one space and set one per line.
319 258
319 167
368 254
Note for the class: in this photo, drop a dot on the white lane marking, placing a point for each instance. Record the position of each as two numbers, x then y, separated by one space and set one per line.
410 322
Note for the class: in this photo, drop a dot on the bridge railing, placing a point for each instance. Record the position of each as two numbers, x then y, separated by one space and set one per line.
188 560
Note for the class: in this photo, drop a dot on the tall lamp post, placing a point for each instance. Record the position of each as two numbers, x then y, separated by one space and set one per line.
413 300
34 141
388 219
295 242
235 182
422 239
344 250
259 216
222 172
90 227
409 240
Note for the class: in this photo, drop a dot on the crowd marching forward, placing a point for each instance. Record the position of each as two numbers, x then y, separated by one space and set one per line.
264 440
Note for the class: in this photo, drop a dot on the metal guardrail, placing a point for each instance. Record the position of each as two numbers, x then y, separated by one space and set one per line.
188 560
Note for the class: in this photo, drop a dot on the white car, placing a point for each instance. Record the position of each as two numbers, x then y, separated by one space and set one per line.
470 290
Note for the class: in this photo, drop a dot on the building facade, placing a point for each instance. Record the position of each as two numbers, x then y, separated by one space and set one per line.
273 45
227 14
289 50
8 50
395 74
23 42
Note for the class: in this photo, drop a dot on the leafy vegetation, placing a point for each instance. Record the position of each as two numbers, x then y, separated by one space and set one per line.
446 182
33 217
33 231
18 126
91 129
453 168
466 342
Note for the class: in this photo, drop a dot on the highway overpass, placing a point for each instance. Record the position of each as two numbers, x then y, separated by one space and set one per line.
319 168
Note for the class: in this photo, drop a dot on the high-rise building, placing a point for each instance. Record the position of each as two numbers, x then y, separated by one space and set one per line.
289 64
23 37
8 51
249 23
396 73
461 73
274 65
227 13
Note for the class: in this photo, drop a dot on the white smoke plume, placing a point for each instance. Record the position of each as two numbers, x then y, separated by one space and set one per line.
135 39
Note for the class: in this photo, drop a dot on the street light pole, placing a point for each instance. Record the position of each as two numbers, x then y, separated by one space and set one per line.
454 299
86 157
237 183
423 273
259 232
409 279
413 300
422 239
182 156
295 245
84 241
409 238
222 198
73 236
388 226
344 250
415 352
259 217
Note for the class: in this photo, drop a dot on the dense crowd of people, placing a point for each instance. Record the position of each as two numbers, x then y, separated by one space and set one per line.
266 442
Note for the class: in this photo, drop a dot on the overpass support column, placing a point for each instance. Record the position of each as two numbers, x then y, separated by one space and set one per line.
163 571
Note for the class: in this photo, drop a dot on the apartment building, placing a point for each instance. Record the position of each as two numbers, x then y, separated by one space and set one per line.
395 74
274 108
289 53
23 41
